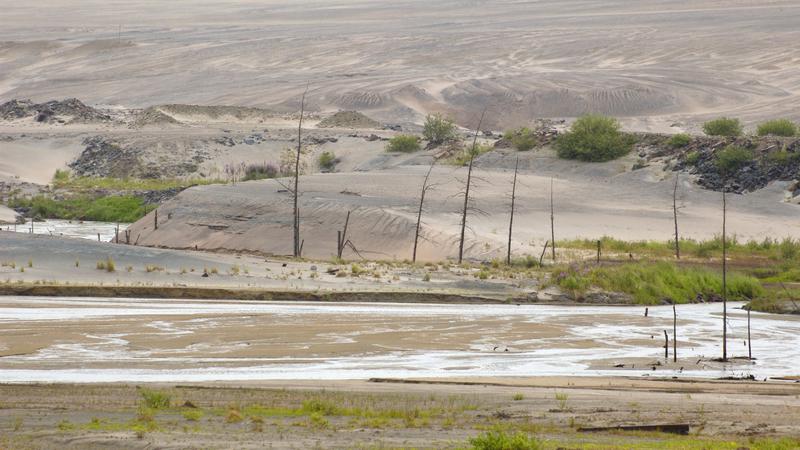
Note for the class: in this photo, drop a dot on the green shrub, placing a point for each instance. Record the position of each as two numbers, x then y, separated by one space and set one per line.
403 143
155 399
468 152
692 158
594 138
679 140
522 139
732 158
778 127
724 126
327 160
260 171
500 440
438 129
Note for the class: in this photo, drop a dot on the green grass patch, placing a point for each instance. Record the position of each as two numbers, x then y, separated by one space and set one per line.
126 209
654 283
64 180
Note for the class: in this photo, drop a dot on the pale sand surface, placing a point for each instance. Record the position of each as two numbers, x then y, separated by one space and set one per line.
8 215
654 63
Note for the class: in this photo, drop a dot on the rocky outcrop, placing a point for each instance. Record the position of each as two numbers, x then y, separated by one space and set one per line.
70 110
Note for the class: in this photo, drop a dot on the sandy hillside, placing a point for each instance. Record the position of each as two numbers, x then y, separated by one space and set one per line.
653 63
591 200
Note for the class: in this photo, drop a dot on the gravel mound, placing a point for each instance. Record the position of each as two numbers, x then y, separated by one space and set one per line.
70 110
348 119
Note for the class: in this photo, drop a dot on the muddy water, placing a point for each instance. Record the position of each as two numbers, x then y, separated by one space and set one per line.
99 340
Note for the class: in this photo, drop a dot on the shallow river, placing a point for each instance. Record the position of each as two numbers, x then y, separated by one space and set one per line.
70 228
99 340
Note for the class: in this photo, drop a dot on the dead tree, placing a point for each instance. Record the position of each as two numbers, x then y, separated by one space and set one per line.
513 203
544 250
466 191
724 274
552 223
425 188
666 345
342 237
675 216
296 228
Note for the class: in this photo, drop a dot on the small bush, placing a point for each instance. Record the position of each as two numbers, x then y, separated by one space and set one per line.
462 158
261 171
327 160
155 399
692 158
517 397
594 138
108 265
778 127
733 158
500 440
679 140
438 129
403 143
522 139
724 126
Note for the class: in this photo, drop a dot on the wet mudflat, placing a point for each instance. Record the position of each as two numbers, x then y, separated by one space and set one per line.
136 340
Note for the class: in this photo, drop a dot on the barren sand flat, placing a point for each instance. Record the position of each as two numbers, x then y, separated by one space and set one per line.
136 340
654 63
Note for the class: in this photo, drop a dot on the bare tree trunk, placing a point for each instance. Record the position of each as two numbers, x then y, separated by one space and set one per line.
513 203
544 250
296 226
425 188
155 219
552 223
466 191
666 345
675 216
724 274
599 249
674 333
343 237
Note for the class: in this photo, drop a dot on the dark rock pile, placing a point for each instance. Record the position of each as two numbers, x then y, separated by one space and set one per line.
70 110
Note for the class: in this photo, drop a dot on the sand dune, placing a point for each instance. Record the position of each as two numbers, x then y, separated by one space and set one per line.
666 61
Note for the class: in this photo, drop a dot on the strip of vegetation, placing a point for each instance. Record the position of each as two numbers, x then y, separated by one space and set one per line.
784 250
127 209
655 283
63 179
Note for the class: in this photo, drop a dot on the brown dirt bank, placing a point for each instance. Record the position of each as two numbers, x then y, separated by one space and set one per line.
202 293
361 414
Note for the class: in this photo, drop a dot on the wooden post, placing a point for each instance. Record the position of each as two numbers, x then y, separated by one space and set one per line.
666 345
511 219
116 234
466 191
339 244
749 344
598 251
724 275
552 223
98 237
674 334
155 219
31 225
